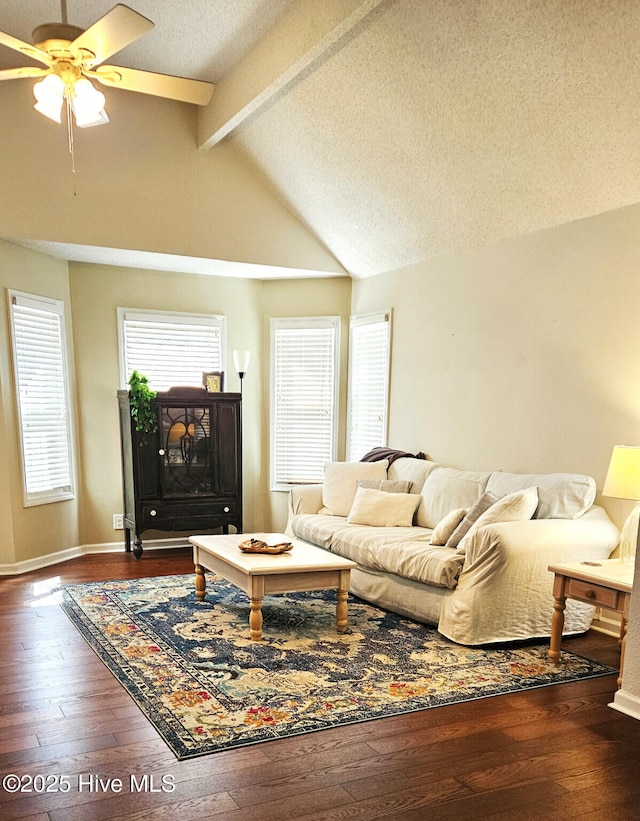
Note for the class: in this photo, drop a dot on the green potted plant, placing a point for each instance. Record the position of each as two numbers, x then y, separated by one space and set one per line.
141 398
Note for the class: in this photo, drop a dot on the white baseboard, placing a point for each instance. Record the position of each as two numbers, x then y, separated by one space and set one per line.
28 565
627 704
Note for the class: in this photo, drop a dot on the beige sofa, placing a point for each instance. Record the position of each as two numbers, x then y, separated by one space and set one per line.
467 551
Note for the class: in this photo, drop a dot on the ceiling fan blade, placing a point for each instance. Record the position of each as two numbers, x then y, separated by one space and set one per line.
26 71
160 85
111 33
25 48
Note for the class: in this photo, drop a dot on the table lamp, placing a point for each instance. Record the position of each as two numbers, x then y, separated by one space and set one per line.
241 363
623 482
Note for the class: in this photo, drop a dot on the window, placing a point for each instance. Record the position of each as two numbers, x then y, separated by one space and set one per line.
170 348
304 373
369 343
42 388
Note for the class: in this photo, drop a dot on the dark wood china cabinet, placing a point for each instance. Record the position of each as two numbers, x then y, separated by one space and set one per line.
187 476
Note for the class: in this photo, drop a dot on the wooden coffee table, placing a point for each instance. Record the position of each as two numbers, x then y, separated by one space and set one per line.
305 567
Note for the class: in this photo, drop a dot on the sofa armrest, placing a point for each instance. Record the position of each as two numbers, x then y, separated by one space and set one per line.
592 536
504 591
303 499
306 499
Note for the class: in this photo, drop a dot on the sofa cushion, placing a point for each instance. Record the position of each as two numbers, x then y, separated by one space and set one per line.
355 540
515 507
316 528
415 470
341 482
443 530
382 509
388 485
403 551
470 518
446 489
561 495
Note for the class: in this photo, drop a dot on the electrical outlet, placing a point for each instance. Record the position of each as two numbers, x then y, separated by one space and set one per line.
118 521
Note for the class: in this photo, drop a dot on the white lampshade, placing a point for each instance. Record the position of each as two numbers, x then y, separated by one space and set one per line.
623 482
241 361
623 476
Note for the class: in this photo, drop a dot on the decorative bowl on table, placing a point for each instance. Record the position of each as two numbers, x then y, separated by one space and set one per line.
258 546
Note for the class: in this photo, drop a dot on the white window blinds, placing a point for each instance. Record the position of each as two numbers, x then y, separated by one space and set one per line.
40 368
304 371
369 343
170 349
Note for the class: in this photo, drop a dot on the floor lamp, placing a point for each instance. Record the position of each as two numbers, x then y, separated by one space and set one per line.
241 364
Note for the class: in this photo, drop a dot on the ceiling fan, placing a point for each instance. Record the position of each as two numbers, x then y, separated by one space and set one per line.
72 55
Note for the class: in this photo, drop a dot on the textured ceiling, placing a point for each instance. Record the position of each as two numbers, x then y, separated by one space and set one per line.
430 127
447 125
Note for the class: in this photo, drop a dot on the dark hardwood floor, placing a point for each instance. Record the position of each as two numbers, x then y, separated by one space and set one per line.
554 753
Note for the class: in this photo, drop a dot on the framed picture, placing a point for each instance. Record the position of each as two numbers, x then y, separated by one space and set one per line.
213 381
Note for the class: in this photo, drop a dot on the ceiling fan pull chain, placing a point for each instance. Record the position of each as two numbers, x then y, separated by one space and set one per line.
70 134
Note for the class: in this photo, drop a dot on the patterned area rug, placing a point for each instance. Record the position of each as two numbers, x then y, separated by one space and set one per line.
192 669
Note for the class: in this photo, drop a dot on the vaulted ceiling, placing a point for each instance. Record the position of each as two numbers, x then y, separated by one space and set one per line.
402 130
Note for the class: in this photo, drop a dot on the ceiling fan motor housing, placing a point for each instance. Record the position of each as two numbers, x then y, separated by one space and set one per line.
55 39
55 31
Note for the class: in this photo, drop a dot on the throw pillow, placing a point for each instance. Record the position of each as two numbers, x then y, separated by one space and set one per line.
516 507
472 515
445 527
341 482
388 485
446 489
377 508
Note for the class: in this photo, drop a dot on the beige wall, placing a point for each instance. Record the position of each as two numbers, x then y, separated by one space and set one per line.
141 183
523 355
29 532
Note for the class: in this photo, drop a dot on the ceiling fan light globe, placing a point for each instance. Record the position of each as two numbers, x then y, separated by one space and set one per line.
49 94
50 90
87 96
52 112
88 104
86 118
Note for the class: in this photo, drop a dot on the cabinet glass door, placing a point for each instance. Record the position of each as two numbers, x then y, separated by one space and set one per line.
186 451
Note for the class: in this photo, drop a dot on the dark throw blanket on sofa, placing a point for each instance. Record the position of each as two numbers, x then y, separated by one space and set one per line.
378 454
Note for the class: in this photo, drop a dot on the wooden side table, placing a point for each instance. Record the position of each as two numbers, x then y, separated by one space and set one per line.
605 584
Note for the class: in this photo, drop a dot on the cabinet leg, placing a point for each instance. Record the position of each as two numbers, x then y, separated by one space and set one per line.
127 540
137 547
